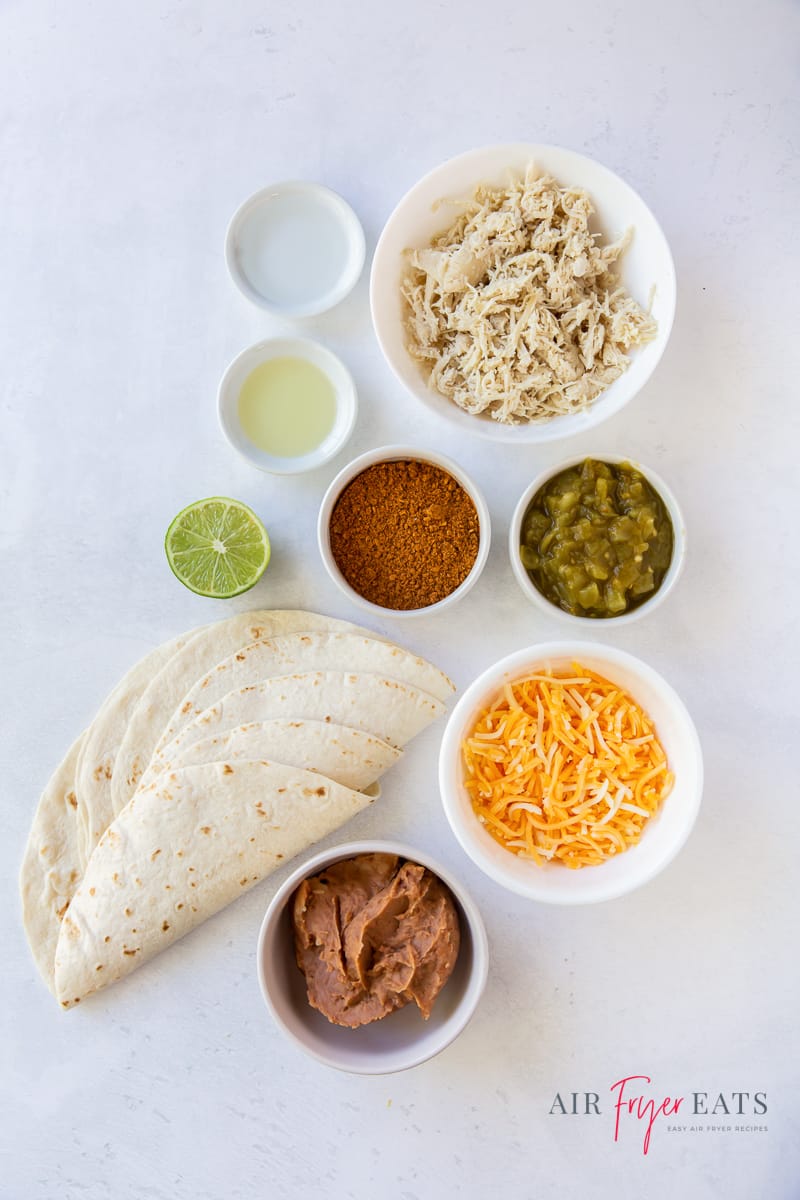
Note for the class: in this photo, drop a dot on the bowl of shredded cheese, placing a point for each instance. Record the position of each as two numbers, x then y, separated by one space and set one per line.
522 292
571 772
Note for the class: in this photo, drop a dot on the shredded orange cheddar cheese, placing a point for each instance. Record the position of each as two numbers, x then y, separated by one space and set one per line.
565 768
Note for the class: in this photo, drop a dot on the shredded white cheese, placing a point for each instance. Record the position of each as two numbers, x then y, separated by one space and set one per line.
516 309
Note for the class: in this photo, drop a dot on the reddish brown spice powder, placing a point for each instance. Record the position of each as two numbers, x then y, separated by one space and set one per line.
404 534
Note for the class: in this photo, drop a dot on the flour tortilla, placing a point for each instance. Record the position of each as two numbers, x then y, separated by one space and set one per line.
392 711
303 652
170 685
75 808
182 850
95 767
345 755
51 867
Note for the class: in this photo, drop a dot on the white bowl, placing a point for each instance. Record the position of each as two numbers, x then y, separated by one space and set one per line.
390 454
664 834
547 607
402 1039
646 270
295 248
231 385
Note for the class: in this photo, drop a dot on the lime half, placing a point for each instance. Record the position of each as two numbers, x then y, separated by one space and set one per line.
217 547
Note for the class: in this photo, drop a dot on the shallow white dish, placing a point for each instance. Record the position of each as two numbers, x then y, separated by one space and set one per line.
664 834
401 1040
238 371
295 248
595 624
389 454
646 270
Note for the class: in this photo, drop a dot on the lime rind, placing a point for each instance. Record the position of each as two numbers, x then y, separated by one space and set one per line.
217 547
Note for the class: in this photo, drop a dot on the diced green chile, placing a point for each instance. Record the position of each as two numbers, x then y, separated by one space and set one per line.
597 539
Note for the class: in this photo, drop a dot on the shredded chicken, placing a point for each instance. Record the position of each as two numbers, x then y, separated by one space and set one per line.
517 310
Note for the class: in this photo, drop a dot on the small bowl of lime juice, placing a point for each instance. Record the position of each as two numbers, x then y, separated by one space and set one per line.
287 405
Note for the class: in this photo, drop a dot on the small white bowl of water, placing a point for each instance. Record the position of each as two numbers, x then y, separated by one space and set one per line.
287 405
295 248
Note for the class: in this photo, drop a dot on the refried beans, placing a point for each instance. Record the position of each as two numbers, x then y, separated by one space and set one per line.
372 934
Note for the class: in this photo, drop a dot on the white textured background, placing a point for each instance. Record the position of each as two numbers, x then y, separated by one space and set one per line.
128 135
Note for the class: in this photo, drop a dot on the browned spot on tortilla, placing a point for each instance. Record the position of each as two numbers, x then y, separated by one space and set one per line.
187 707
167 887
73 875
179 854
165 927
179 907
240 657
193 883
77 1000
252 839
279 856
115 877
327 720
281 791
194 909
227 769
72 799
154 855
242 882
91 891
99 967
138 882
128 912
130 953
62 910
205 682
205 829
106 938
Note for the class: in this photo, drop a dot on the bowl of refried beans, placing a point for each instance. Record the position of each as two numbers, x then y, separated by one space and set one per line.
372 957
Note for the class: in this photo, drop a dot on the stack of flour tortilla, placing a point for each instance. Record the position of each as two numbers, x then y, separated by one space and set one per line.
219 756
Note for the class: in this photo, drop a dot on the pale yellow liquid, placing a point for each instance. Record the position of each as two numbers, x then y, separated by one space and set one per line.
287 407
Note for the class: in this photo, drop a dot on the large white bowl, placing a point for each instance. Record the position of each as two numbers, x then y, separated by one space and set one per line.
392 454
547 607
401 1040
664 834
646 270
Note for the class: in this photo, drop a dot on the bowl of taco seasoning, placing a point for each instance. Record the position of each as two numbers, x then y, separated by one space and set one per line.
403 532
